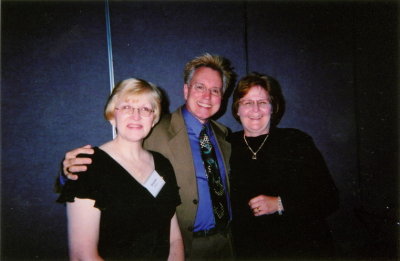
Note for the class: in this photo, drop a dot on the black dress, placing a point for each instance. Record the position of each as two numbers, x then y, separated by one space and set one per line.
134 225
290 166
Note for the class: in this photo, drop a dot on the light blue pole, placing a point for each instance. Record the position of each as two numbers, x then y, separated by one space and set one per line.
109 52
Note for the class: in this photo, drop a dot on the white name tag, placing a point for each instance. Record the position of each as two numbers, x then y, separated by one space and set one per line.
154 183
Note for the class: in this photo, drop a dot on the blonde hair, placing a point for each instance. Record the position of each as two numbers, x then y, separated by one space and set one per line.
134 87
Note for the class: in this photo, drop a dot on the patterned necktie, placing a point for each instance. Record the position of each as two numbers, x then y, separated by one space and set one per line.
217 191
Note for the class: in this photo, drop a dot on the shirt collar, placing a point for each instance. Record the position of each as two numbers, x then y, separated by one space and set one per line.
192 122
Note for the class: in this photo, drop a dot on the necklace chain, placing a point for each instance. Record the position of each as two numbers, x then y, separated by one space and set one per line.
254 157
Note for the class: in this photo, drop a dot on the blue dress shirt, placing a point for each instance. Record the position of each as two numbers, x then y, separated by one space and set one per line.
204 216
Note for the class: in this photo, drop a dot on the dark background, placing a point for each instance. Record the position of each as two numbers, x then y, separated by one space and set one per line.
337 62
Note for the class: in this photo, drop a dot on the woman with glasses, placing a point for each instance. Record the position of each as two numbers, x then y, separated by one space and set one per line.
123 207
281 188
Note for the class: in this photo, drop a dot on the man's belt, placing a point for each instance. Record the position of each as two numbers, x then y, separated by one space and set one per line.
210 232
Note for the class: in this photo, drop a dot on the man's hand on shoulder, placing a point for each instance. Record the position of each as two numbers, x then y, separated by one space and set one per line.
72 164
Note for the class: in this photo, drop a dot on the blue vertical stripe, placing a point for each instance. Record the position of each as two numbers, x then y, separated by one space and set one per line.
109 52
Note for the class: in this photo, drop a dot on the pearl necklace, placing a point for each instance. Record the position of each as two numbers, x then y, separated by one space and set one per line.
254 157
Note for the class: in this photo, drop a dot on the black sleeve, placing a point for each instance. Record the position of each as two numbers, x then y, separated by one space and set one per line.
84 186
312 191
57 184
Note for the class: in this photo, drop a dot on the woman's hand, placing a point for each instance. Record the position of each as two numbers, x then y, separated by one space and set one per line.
265 205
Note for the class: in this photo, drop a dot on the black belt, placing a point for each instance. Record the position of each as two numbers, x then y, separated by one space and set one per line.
210 232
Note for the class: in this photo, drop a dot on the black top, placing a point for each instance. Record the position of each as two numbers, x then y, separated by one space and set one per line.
290 166
133 223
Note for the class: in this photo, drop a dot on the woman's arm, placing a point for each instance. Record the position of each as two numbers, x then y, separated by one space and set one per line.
83 230
309 190
176 249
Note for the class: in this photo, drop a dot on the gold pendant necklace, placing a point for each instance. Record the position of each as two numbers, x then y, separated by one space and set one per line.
254 157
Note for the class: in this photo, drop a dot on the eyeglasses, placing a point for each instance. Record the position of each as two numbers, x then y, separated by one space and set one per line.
143 111
261 104
198 87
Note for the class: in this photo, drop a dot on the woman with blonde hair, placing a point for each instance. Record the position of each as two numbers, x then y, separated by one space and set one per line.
123 207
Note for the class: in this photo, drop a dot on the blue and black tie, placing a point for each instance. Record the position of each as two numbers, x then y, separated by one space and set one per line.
217 190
